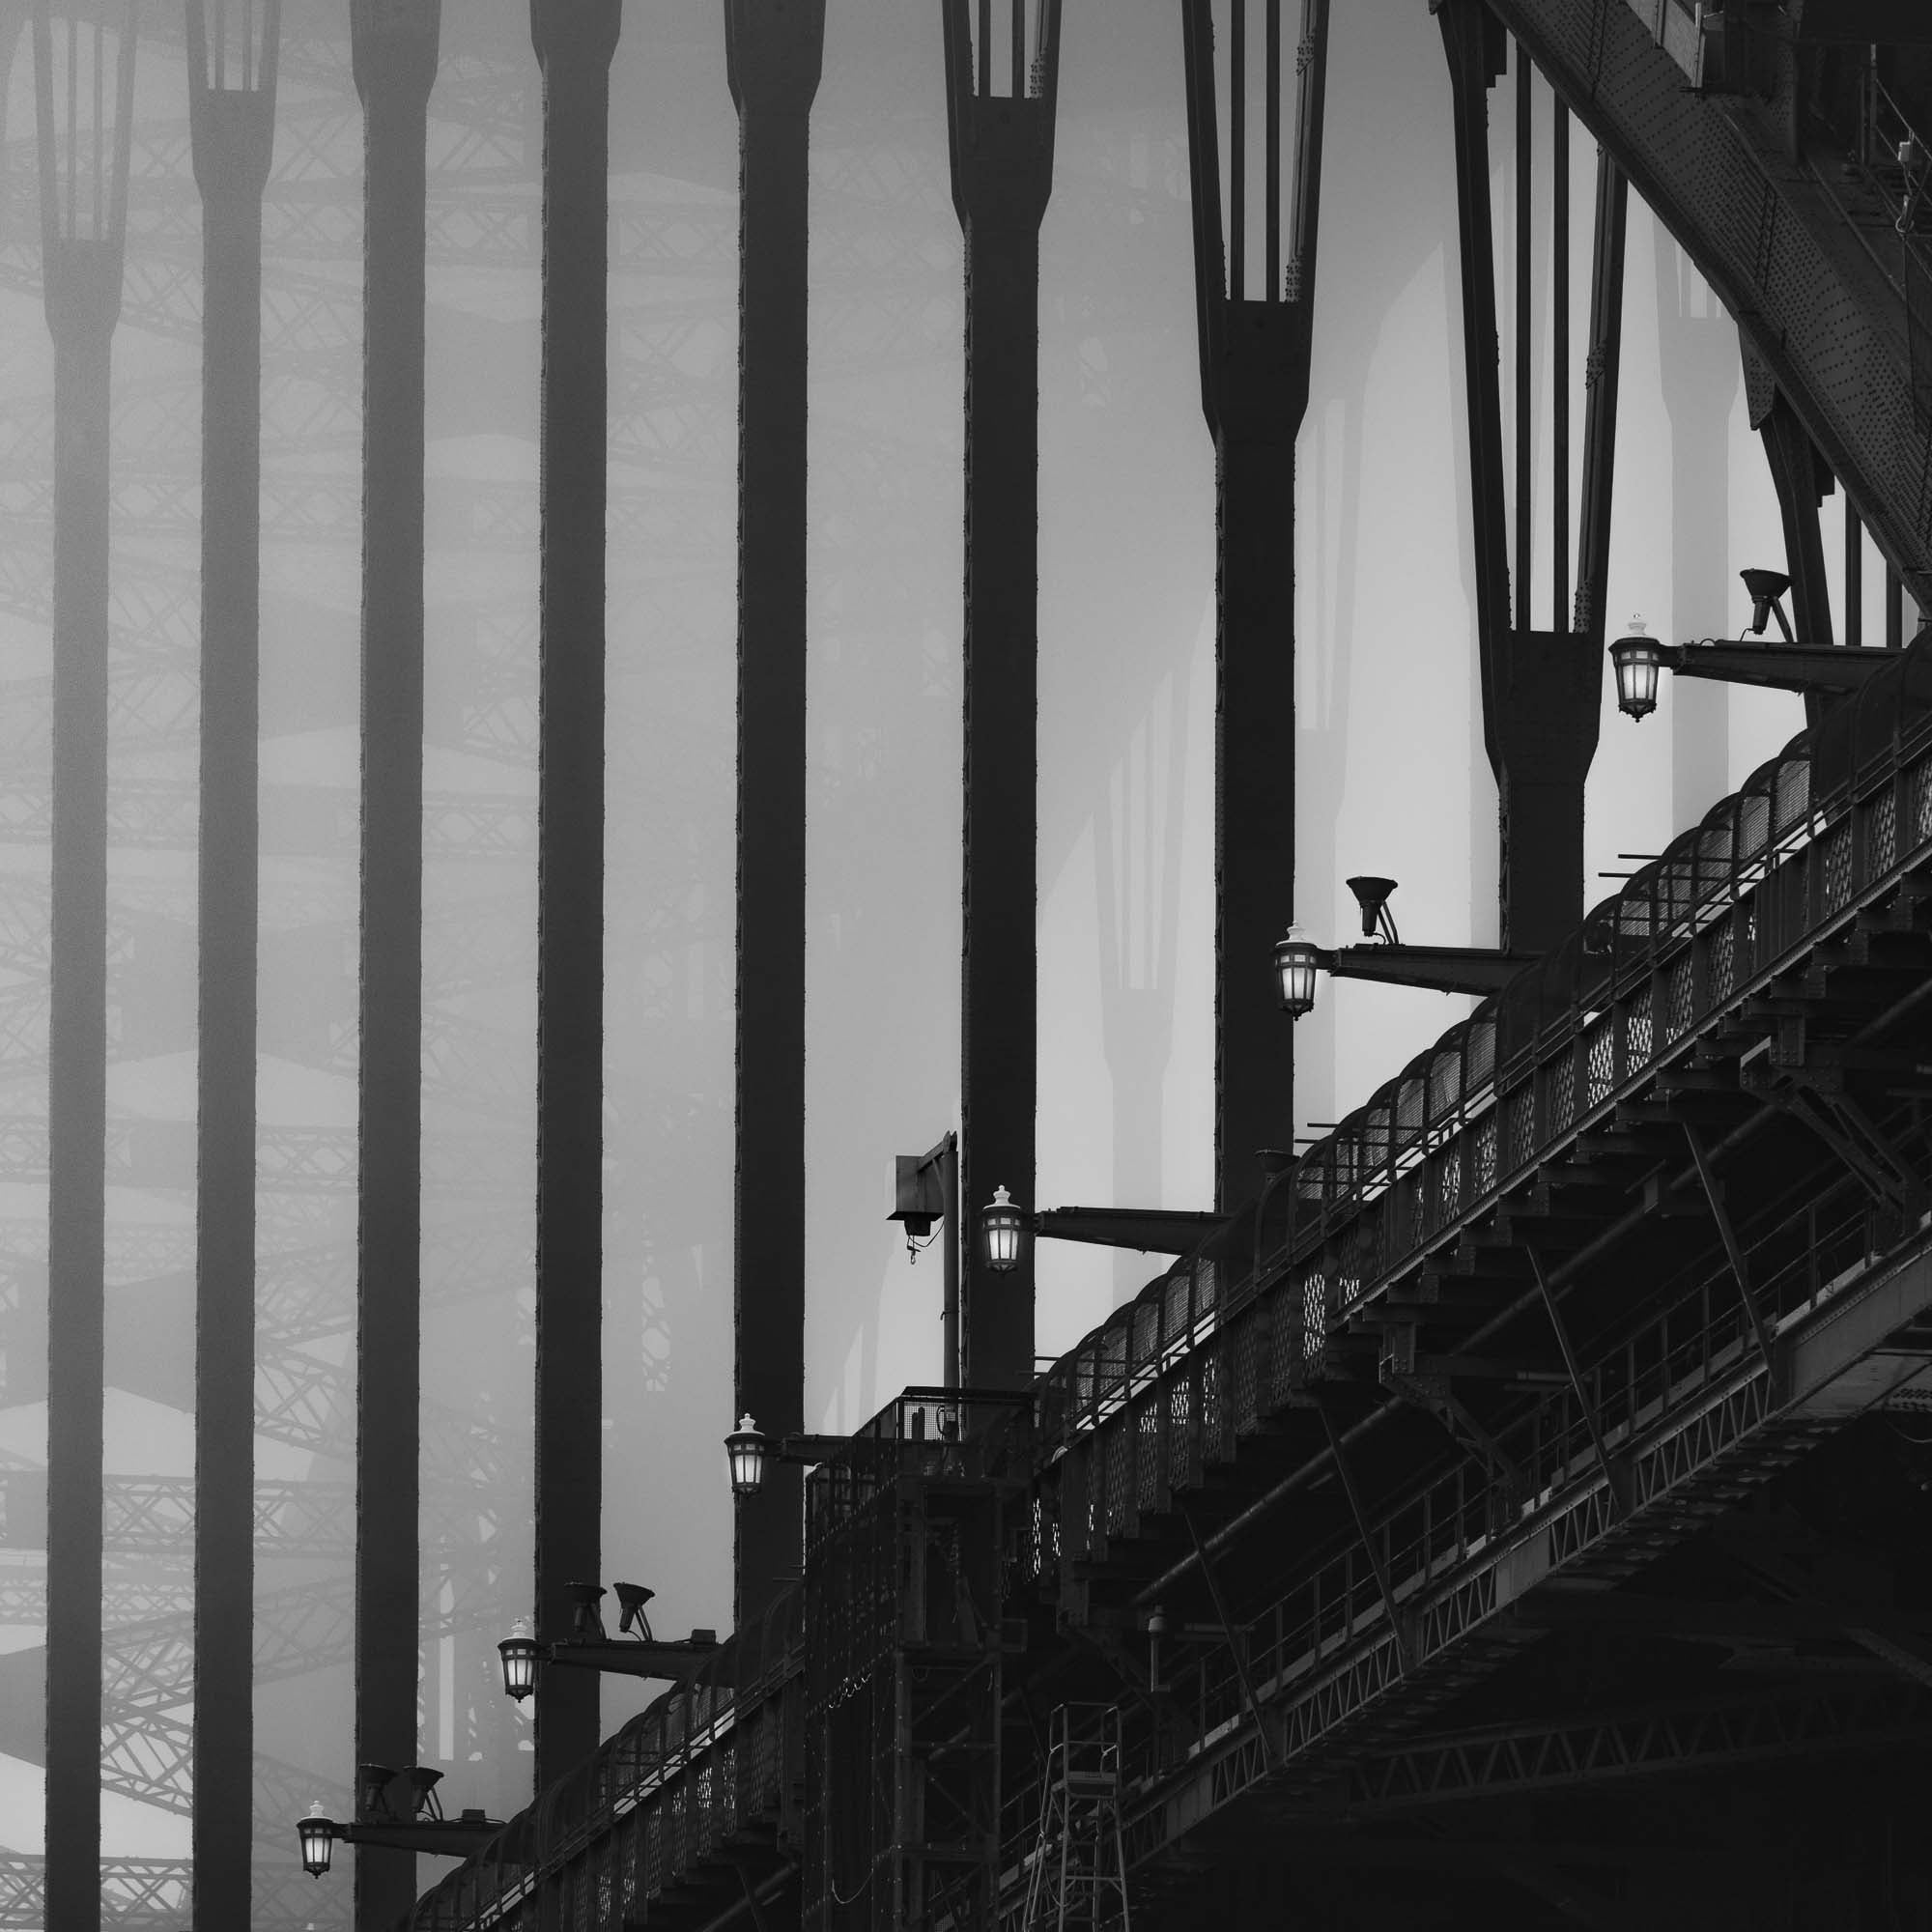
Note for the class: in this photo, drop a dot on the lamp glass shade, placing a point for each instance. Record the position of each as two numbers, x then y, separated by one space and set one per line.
746 1450
1296 964
1637 660
520 1658
317 1833
1003 1228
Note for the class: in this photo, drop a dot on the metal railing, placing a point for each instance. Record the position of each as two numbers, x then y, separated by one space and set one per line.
1162 1390
1242 1328
705 1764
1698 930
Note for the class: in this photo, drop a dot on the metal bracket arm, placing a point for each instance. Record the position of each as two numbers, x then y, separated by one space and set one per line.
1442 969
1811 667
675 1662
1152 1231
438 1838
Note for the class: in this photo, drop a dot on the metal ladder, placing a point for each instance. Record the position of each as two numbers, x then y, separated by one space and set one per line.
1079 1875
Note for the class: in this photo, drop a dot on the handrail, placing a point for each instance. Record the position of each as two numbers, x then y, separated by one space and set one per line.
682 1737
1689 933
1836 817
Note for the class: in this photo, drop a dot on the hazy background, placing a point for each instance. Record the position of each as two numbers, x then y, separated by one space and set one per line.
1391 774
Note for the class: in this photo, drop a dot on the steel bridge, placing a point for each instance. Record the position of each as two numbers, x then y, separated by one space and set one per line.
1405 1424
1517 1500
1548 1435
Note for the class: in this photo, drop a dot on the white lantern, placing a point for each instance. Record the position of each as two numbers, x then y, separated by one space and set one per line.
521 1655
746 1449
1637 658
1296 964
317 1833
1002 1227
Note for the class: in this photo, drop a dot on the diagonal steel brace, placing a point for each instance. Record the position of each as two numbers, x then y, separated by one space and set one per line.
1377 1560
1614 1474
1236 1649
1760 1330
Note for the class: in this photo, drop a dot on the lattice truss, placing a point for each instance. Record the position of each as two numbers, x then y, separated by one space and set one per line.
895 307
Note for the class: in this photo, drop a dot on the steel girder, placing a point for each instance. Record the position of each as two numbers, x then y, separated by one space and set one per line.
1772 241
1654 1741
147 1750
1693 1459
151 1517
152 1894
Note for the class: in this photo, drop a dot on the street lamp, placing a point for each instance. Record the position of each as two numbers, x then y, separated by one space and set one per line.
1003 1228
746 1449
1637 657
1296 961
751 1452
1784 664
635 1652
1443 969
925 1188
414 1825
521 1655
317 1833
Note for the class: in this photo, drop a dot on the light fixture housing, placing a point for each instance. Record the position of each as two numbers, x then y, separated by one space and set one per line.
423 1801
746 1449
631 1618
586 1619
1637 658
317 1833
1297 960
1372 895
1002 1229
1767 588
371 1790
522 1655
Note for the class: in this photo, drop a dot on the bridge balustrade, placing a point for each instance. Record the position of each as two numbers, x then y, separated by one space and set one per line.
709 1769
1236 1330
1360 1614
1156 1395
1734 909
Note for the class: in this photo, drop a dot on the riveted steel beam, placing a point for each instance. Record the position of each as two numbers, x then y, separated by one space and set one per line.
393 54
232 81
1813 293
1000 118
83 168
774 60
1254 345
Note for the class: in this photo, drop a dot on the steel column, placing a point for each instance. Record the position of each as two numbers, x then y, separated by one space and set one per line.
1254 391
1001 163
1803 482
575 40
1699 367
394 51
83 220
232 124
1779 256
774 58
1541 687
